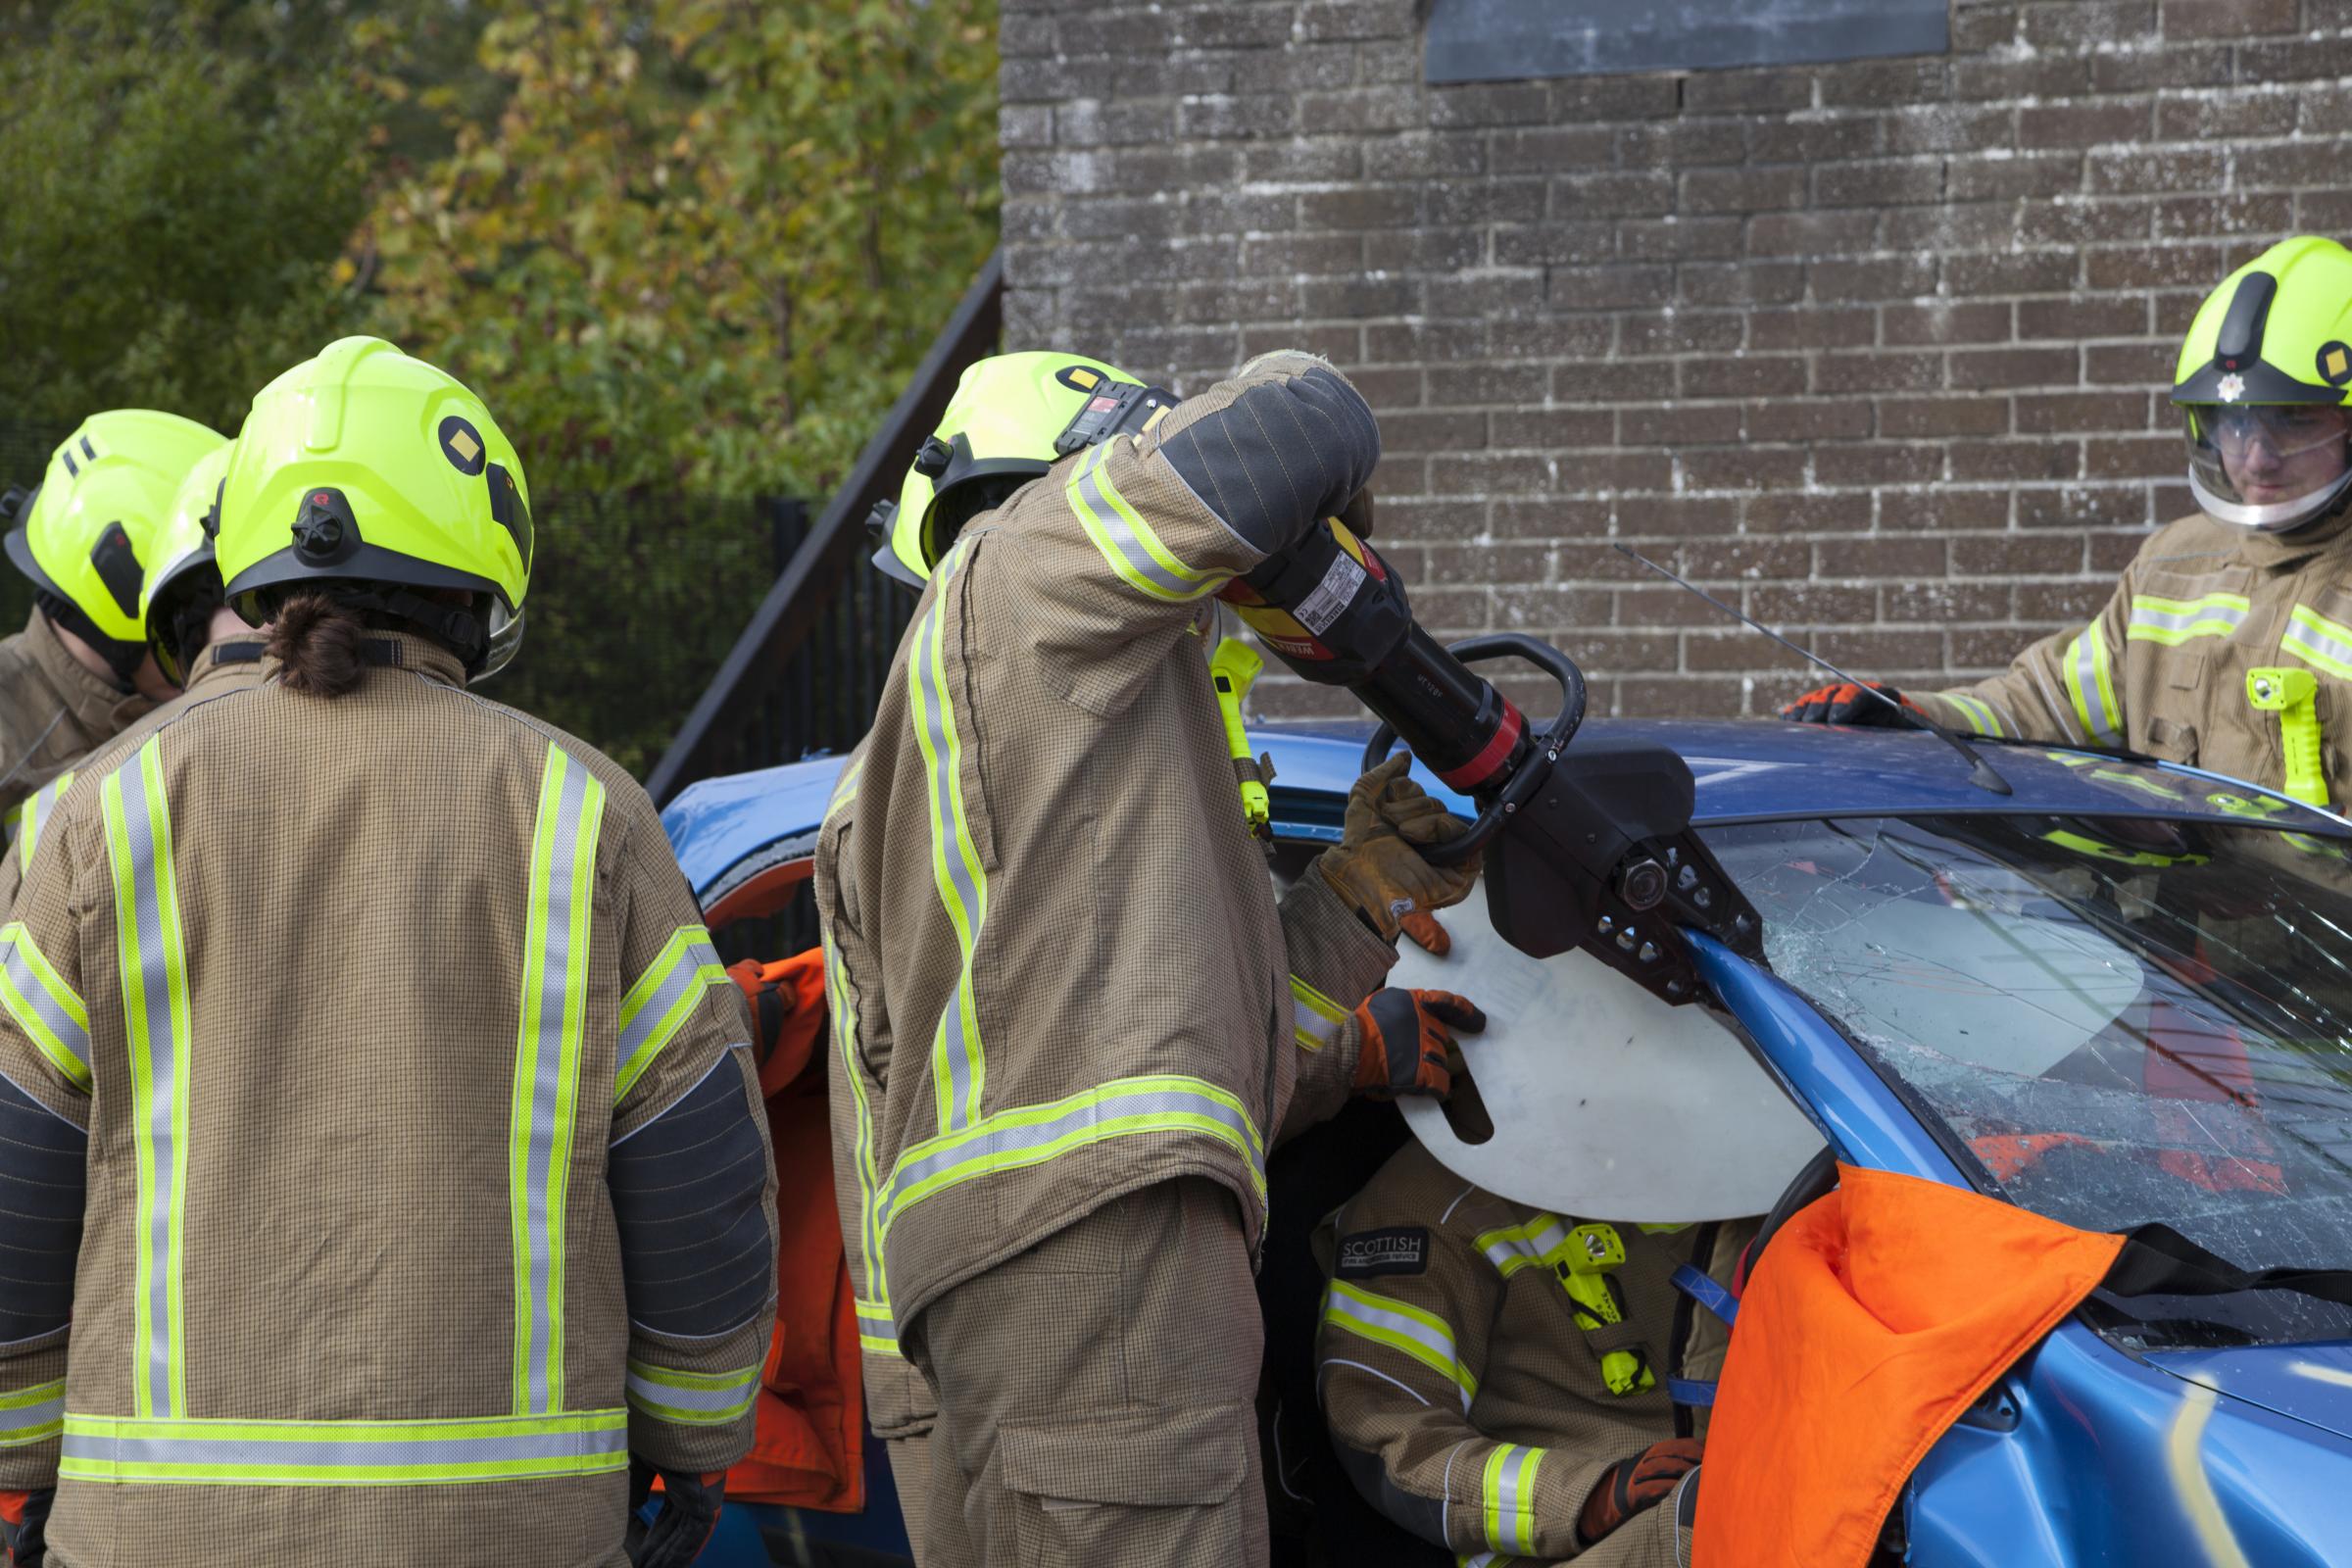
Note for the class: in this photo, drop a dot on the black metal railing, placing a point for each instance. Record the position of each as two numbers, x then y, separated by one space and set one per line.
806 672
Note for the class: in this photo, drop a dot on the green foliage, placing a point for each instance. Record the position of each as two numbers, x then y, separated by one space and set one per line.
177 214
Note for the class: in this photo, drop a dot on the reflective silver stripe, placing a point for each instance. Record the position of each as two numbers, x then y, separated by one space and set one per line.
954 858
1384 1324
1005 1143
658 1398
2204 618
2316 640
2088 664
155 1020
28 999
1139 561
1516 1469
341 1454
1316 1020
31 1415
1515 1248
656 1017
546 1090
35 817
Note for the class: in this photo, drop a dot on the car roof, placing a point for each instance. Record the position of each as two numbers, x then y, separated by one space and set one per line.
1745 770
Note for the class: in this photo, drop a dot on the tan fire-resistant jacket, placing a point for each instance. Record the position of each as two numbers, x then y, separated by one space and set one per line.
52 711
1459 1388
2162 669
231 664
364 1005
1060 973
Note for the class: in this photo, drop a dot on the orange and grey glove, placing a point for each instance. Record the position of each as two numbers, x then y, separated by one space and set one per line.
1848 703
24 1526
1408 1045
771 1003
1377 868
1630 1485
690 1505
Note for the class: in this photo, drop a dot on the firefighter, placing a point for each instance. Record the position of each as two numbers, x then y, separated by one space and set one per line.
1504 1382
1072 1018
200 646
374 1115
2229 642
80 670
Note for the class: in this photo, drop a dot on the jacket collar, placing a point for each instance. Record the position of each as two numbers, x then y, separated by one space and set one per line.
400 650
226 660
2279 551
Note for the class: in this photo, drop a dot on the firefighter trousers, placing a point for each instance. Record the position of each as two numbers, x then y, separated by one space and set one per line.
1097 1396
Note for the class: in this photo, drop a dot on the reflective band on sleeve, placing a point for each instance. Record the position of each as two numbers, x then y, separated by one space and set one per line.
1127 542
2092 690
44 1006
691 1399
1979 713
873 1308
1536 1243
845 788
1316 1020
2319 642
154 1010
658 1006
345 1453
1014 1140
33 1415
34 816
959 1066
2173 621
1509 1487
1402 1327
547 1069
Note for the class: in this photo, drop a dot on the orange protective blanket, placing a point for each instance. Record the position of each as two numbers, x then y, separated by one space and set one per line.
1873 1320
809 1448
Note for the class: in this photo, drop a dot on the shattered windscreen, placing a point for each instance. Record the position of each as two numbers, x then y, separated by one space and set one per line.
2122 1021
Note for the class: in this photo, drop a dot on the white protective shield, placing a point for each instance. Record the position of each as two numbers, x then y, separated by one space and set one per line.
1607 1103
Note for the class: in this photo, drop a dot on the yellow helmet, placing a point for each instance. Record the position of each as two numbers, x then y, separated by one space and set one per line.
183 585
83 532
2264 379
1013 416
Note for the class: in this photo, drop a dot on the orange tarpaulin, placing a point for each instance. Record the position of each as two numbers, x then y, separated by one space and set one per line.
811 1408
1873 1320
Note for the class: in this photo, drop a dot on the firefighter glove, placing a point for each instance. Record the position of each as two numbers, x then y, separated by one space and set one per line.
1408 1045
1356 515
1849 702
1630 1485
690 1507
1377 868
771 1000
24 1525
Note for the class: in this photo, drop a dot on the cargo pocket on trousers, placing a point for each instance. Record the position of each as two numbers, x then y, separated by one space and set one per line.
1146 1488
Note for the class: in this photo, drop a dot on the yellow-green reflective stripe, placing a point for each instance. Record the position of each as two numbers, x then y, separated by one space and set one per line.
691 1399
1402 1327
845 788
1315 1019
658 1004
33 1415
877 1330
44 1006
1133 552
547 1069
959 1066
344 1454
843 1011
1014 1140
2094 692
1539 1240
155 1006
2173 621
1978 712
1509 1487
35 816
2319 642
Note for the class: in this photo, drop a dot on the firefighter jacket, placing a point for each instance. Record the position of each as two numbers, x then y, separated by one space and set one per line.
1058 972
2163 668
1483 1362
227 665
380 1141
52 709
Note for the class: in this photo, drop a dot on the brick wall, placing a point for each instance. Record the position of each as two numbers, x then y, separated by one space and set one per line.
1875 349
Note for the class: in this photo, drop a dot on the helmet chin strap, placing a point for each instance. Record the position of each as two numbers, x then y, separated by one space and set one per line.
2300 513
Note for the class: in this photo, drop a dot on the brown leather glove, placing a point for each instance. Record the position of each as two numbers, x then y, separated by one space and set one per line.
1408 1045
1630 1485
1356 515
1377 868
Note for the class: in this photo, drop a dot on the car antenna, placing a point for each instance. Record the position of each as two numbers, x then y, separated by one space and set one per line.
1980 773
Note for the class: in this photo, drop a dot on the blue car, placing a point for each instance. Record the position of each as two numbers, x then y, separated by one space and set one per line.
2120 994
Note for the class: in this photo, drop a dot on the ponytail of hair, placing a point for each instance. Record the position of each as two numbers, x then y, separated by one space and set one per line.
319 645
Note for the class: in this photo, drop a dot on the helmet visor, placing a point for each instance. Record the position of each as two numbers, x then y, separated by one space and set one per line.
2272 466
506 641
